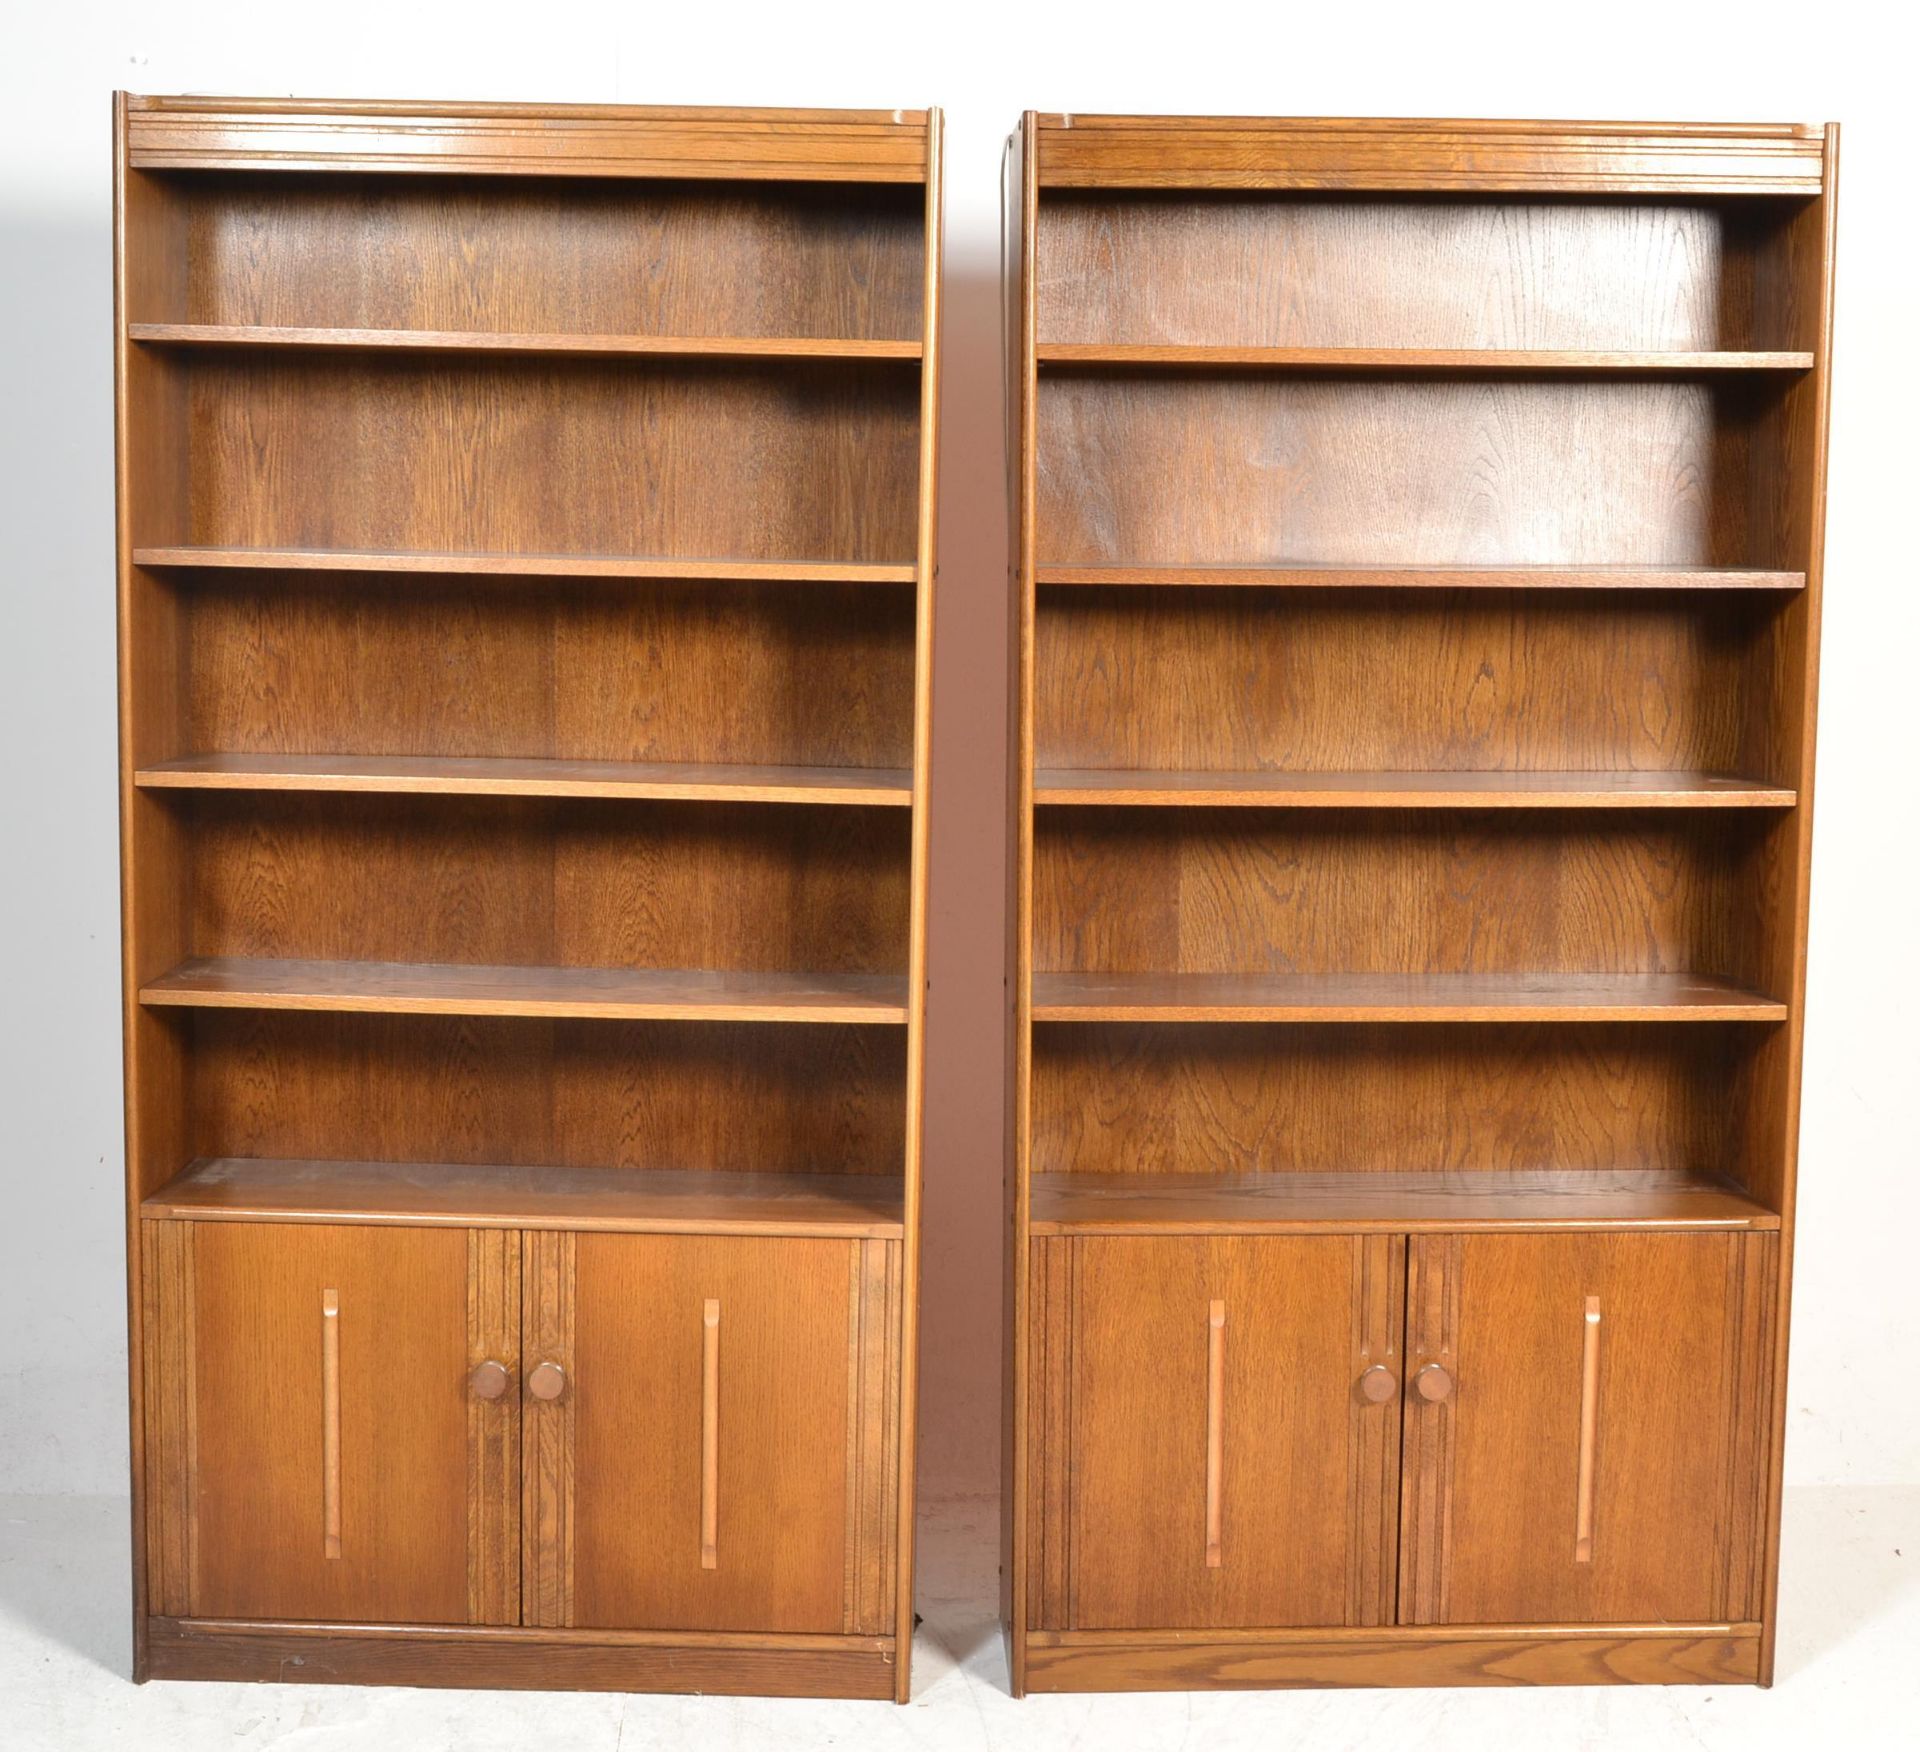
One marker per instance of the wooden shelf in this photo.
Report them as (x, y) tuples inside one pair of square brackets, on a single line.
[(522, 565), (1334, 577), (1396, 997), (461, 1195), (591, 346), (1406, 790), (1255, 1203), (447, 775), (1389, 360), (612, 993)]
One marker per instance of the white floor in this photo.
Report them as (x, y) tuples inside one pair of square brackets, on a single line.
[(1849, 1673)]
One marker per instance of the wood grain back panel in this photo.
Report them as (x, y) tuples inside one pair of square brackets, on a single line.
[(804, 461), (1336, 891), (1307, 271), (1225, 1099), (552, 256), (1391, 680), (504, 881), (288, 662), (667, 1095), (1192, 469)]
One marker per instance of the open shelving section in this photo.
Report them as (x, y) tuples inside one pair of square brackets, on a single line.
[(526, 562), (1416, 568)]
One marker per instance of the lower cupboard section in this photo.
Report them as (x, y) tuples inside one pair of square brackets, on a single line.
[(434, 1447), (1437, 1458)]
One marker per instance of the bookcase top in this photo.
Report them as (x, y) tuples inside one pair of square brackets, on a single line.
[(1576, 157), (606, 140)]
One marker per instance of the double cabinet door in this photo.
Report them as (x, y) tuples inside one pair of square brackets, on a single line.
[(1239, 1432), (348, 1423)]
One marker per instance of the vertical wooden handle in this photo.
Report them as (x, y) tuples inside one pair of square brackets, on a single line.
[(1216, 1423), (710, 1435), (330, 1421), (1589, 1422)]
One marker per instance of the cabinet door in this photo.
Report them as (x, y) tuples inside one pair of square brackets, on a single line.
[(1600, 1454), (1213, 1431), (719, 1449), (315, 1448)]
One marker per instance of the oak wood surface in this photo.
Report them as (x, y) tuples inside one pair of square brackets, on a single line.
[(805, 672), (1416, 592), (513, 565), (1322, 575), (1191, 468), (532, 1092), (187, 334), (1349, 154), (1388, 1202), (549, 1485), (1143, 1376), (471, 1195), (1147, 787), (1492, 1475), (164, 1479), (285, 134), (1298, 895), (778, 1436), (1444, 680), (879, 1549), (1805, 285), (463, 1658), (681, 458), (493, 1426), (894, 1551), (447, 989), (1428, 273), (791, 891), (1475, 1655), (1395, 360), (457, 775), (148, 463), (256, 1500), (624, 261), (498, 556), (1395, 997), (1232, 1099)]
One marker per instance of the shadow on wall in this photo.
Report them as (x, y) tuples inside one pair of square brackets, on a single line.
[(959, 1452)]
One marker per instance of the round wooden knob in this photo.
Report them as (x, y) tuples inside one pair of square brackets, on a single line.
[(488, 1380), (1377, 1384), (547, 1381), (1432, 1382)]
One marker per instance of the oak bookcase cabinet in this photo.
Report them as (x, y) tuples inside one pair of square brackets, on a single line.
[(526, 596), (1416, 554)]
